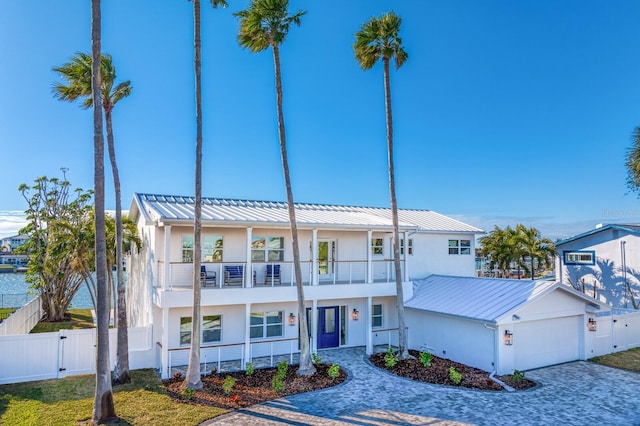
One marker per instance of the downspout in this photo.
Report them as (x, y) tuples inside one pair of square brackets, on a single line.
[(496, 342)]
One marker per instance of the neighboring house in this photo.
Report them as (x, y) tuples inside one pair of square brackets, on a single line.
[(501, 325), (603, 263), (249, 297), (9, 244)]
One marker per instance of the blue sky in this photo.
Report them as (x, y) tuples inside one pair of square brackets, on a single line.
[(506, 111)]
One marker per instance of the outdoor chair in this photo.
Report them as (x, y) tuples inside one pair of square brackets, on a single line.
[(272, 275), (234, 275), (207, 277)]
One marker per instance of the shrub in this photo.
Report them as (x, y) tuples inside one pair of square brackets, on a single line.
[(334, 371), (425, 358), (277, 384), (315, 358), (188, 393), (390, 359), (282, 369), (518, 376), (227, 385), (250, 369), (455, 377)]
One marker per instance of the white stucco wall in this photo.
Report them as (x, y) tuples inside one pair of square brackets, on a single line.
[(431, 256)]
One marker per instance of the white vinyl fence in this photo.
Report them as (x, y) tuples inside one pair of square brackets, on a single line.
[(626, 331), (27, 357), (23, 320)]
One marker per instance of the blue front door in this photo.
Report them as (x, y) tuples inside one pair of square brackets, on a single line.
[(328, 329)]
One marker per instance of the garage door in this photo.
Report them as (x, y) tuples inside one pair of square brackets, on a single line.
[(546, 342)]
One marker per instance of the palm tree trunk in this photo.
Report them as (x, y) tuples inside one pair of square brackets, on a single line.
[(403, 351), (306, 366), (193, 380), (103, 408), (121, 372)]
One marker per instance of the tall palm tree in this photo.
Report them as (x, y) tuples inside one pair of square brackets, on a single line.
[(532, 246), (264, 24), (501, 246), (77, 74), (632, 162), (103, 408), (192, 378), (379, 39)]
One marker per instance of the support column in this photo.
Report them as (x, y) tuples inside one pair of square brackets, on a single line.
[(164, 342), (369, 327), (369, 260), (248, 281), (247, 334), (314, 257), (314, 326), (167, 257)]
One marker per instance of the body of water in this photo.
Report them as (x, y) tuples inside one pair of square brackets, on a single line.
[(13, 289)]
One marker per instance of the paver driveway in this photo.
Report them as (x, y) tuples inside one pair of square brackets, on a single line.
[(578, 393)]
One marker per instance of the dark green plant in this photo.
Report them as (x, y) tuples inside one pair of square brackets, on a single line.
[(250, 369), (228, 384), (334, 371), (315, 358), (455, 377), (425, 358), (390, 359), (282, 366), (277, 384), (188, 393), (518, 376)]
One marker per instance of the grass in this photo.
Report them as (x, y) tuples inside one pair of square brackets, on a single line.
[(5, 312), (69, 401), (625, 360), (80, 319)]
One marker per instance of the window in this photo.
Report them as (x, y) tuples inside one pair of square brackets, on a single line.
[(266, 324), (459, 246), (579, 257), (211, 329), (187, 248), (410, 249), (267, 249), (377, 246), (212, 249), (376, 316)]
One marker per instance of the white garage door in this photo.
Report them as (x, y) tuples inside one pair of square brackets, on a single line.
[(546, 342)]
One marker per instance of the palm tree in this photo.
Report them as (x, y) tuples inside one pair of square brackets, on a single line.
[(633, 162), (192, 378), (501, 246), (379, 39), (264, 24), (77, 74), (103, 408), (531, 245)]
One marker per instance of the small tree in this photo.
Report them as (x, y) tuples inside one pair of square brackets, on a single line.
[(57, 242)]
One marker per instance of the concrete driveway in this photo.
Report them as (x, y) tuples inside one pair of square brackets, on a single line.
[(578, 393)]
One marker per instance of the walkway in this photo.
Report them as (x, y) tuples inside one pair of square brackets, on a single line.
[(579, 393)]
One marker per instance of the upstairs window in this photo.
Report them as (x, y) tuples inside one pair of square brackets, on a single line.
[(377, 246), (187, 248), (459, 246), (212, 249), (579, 257), (409, 249), (269, 249)]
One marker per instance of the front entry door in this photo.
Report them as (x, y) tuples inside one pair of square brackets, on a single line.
[(328, 329)]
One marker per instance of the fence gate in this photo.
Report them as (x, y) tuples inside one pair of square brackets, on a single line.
[(76, 352)]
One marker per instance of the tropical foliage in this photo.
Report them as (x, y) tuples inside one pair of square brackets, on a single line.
[(379, 39), (264, 24), (632, 162), (521, 247)]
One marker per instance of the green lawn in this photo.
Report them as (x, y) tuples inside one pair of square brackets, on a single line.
[(625, 360), (70, 401), (5, 312), (80, 318)]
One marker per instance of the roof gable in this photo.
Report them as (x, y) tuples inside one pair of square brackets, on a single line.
[(482, 299), (630, 228)]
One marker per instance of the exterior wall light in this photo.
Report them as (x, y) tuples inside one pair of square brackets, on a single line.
[(592, 325), (508, 338), (355, 314), (292, 319)]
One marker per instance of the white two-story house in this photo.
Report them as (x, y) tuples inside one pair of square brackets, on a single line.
[(248, 293)]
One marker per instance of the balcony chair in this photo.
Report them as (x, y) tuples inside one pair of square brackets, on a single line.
[(234, 275), (272, 275), (206, 277)]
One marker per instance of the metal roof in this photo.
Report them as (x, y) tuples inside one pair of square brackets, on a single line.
[(630, 228), (482, 299), (171, 208)]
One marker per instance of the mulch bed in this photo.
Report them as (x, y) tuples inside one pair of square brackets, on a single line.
[(253, 389), (438, 373)]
